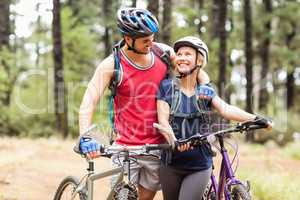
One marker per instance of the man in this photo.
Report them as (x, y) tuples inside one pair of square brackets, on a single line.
[(141, 72)]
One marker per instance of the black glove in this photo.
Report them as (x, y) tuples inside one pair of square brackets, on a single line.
[(263, 122)]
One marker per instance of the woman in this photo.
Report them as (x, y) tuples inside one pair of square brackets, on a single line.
[(183, 108)]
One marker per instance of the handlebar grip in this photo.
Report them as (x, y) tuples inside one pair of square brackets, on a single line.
[(195, 140), (150, 147)]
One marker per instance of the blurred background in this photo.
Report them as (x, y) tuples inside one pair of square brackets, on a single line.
[(50, 49)]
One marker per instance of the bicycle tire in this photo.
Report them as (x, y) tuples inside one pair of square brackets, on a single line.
[(62, 191), (240, 192), (125, 191)]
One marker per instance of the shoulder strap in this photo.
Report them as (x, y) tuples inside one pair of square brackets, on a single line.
[(164, 56), (113, 86), (115, 79), (176, 97), (203, 108)]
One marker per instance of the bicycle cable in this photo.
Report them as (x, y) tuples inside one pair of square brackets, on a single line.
[(235, 148)]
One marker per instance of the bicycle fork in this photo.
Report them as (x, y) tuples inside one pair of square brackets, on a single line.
[(92, 177), (227, 177)]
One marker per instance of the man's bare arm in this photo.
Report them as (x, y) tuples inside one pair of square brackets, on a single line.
[(94, 92)]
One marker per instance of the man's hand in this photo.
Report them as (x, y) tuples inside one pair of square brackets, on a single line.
[(90, 147)]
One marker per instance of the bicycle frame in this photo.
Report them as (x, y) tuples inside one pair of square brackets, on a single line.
[(226, 175), (123, 171), (84, 188)]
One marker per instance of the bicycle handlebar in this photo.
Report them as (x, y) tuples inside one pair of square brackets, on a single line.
[(143, 149), (197, 140)]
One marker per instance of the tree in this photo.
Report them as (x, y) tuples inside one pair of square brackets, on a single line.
[(133, 3), (265, 55), (249, 60), (4, 23), (290, 80), (167, 21), (215, 17), (106, 10), (222, 50), (153, 7), (61, 109), (4, 48), (200, 24)]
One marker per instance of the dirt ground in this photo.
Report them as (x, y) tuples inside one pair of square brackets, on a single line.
[(32, 169)]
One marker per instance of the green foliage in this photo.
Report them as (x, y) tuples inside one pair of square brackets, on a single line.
[(83, 25), (292, 150), (80, 54), (79, 47), (270, 185), (286, 125), (270, 172)]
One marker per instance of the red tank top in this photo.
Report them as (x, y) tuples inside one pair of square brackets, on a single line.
[(135, 102)]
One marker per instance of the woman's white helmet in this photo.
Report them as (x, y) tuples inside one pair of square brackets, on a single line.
[(195, 43)]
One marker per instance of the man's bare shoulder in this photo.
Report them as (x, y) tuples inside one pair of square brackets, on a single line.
[(107, 63)]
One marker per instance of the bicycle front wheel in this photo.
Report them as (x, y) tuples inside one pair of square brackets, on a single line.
[(67, 190), (239, 192), (125, 191)]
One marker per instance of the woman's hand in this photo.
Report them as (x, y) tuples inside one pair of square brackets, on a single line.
[(264, 122), (167, 133), (184, 147)]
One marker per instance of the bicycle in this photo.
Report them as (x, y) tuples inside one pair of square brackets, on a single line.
[(228, 187), (123, 189)]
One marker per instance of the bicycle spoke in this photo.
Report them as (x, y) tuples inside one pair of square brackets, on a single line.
[(69, 193)]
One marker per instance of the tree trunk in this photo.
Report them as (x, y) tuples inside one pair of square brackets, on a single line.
[(200, 8), (167, 22), (61, 110), (4, 43), (134, 3), (265, 54), (215, 17), (290, 85), (106, 38), (290, 80), (222, 50), (153, 7), (249, 58), (4, 23)]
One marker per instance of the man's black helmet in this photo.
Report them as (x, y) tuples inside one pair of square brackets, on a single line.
[(136, 22)]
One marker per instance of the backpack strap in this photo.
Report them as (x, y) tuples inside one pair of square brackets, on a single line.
[(158, 51), (116, 74), (113, 86), (176, 97)]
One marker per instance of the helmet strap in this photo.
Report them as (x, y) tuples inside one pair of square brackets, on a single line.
[(131, 48), (182, 75), (196, 66)]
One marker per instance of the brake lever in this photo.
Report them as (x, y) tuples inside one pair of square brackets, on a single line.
[(195, 140)]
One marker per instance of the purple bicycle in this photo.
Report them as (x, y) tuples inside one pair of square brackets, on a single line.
[(228, 187)]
